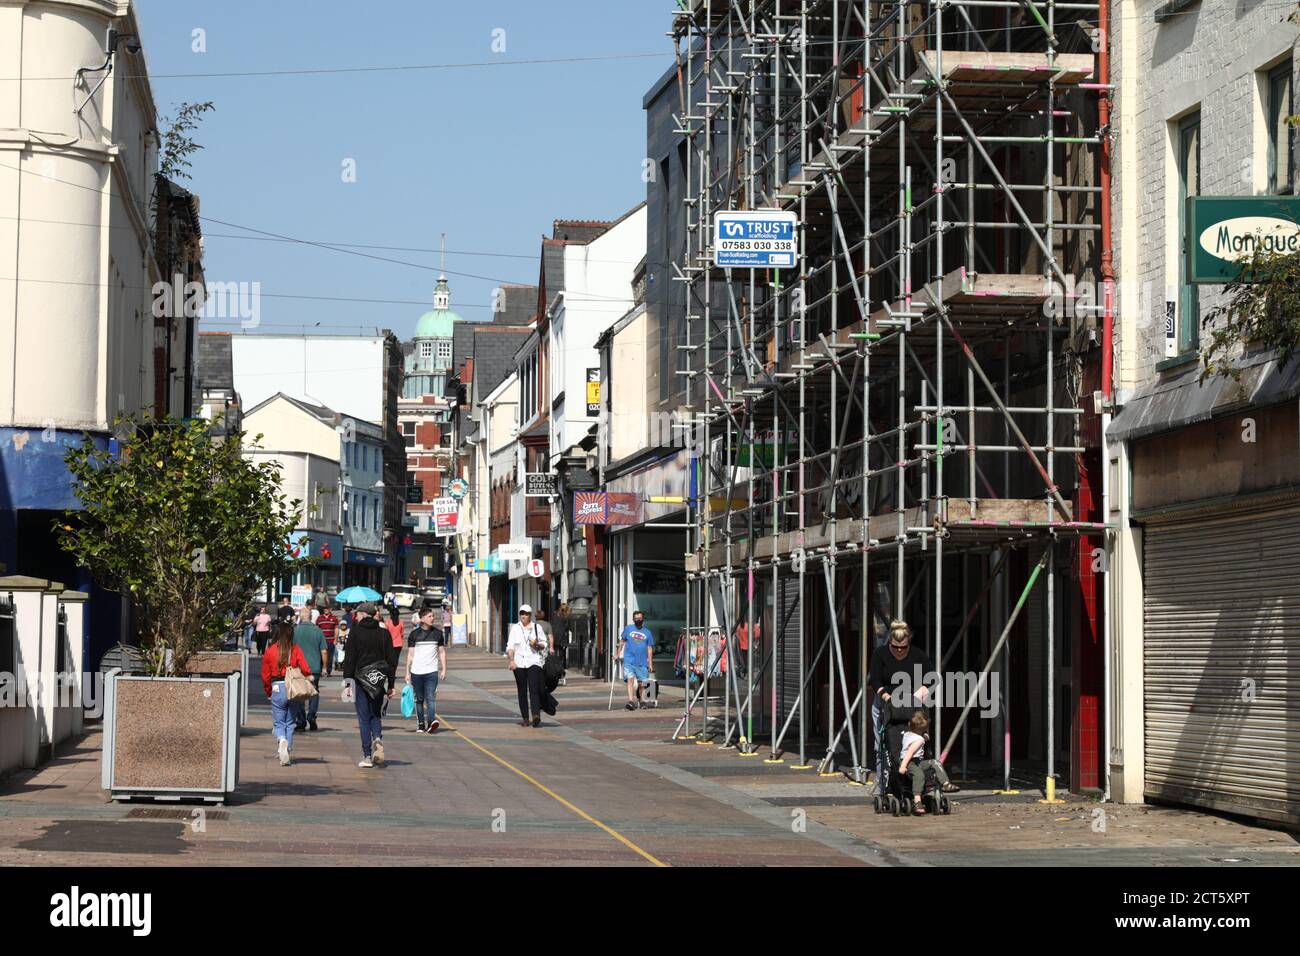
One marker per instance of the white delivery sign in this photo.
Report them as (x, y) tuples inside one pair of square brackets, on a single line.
[(758, 239)]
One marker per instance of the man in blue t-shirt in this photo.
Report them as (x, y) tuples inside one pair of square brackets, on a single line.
[(636, 649)]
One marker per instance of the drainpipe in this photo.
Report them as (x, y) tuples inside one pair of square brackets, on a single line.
[(1107, 372)]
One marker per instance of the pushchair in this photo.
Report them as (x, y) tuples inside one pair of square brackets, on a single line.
[(894, 794)]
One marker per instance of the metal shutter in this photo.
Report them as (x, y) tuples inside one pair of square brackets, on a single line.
[(789, 653), (1222, 616)]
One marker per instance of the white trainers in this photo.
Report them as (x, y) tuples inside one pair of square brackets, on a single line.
[(284, 752), (366, 763), (378, 747)]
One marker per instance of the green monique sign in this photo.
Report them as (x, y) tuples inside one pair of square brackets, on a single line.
[(1224, 231)]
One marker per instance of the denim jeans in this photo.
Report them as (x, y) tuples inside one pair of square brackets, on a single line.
[(313, 705), (368, 719), (426, 689), (282, 719)]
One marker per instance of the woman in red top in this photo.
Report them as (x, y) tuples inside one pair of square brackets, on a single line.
[(281, 655), (394, 626)]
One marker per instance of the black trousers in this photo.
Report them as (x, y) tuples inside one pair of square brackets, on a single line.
[(528, 681)]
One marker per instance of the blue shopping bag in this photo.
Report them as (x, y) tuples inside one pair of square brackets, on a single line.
[(408, 701)]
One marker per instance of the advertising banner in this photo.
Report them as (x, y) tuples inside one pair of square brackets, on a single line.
[(590, 507), (623, 508), (446, 512)]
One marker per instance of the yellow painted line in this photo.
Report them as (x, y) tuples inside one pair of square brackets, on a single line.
[(555, 796)]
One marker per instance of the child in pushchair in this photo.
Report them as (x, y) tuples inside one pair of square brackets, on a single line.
[(912, 782)]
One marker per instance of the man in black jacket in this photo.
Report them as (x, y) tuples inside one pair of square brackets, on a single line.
[(370, 654)]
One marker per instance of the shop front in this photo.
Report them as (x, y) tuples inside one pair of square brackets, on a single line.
[(501, 600), (646, 569), (364, 568), (647, 574), (326, 571)]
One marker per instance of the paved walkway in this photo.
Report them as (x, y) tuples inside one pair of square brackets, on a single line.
[(593, 787)]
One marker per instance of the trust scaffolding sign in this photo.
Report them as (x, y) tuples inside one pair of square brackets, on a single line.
[(58, 689)]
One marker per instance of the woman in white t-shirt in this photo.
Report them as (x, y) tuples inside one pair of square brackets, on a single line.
[(526, 649)]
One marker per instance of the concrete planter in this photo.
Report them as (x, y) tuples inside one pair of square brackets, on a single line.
[(171, 738), (219, 664)]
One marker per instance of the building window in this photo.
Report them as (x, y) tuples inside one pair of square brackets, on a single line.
[(444, 352), (1188, 146), (347, 506), (528, 388), (378, 507), (426, 350), (1280, 107)]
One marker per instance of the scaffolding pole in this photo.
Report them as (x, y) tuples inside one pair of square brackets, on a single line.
[(939, 160)]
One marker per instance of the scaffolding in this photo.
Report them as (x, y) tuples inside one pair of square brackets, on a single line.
[(893, 426)]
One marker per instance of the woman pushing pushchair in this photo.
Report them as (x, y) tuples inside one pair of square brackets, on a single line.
[(903, 677)]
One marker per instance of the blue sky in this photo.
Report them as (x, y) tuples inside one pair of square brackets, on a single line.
[(490, 155)]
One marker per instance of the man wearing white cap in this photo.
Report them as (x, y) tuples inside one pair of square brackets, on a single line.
[(526, 649)]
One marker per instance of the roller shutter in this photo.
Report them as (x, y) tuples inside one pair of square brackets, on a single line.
[(1222, 661), (789, 656)]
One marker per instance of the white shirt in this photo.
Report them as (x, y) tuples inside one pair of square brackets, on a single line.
[(525, 656), (910, 738)]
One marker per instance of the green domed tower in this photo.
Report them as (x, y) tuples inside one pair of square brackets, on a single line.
[(429, 356)]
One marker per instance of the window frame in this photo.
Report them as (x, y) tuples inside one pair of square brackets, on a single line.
[(1189, 299), (1280, 74)]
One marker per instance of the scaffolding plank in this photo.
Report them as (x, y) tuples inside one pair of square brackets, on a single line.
[(994, 518), (963, 67), (973, 79)]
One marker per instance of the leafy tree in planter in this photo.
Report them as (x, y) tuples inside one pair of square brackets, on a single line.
[(1261, 308), (182, 524)]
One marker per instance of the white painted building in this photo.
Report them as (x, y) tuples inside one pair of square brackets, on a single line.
[(493, 460), (79, 344), (76, 178), (597, 290), (1202, 476), (357, 377), (337, 371), (345, 516)]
